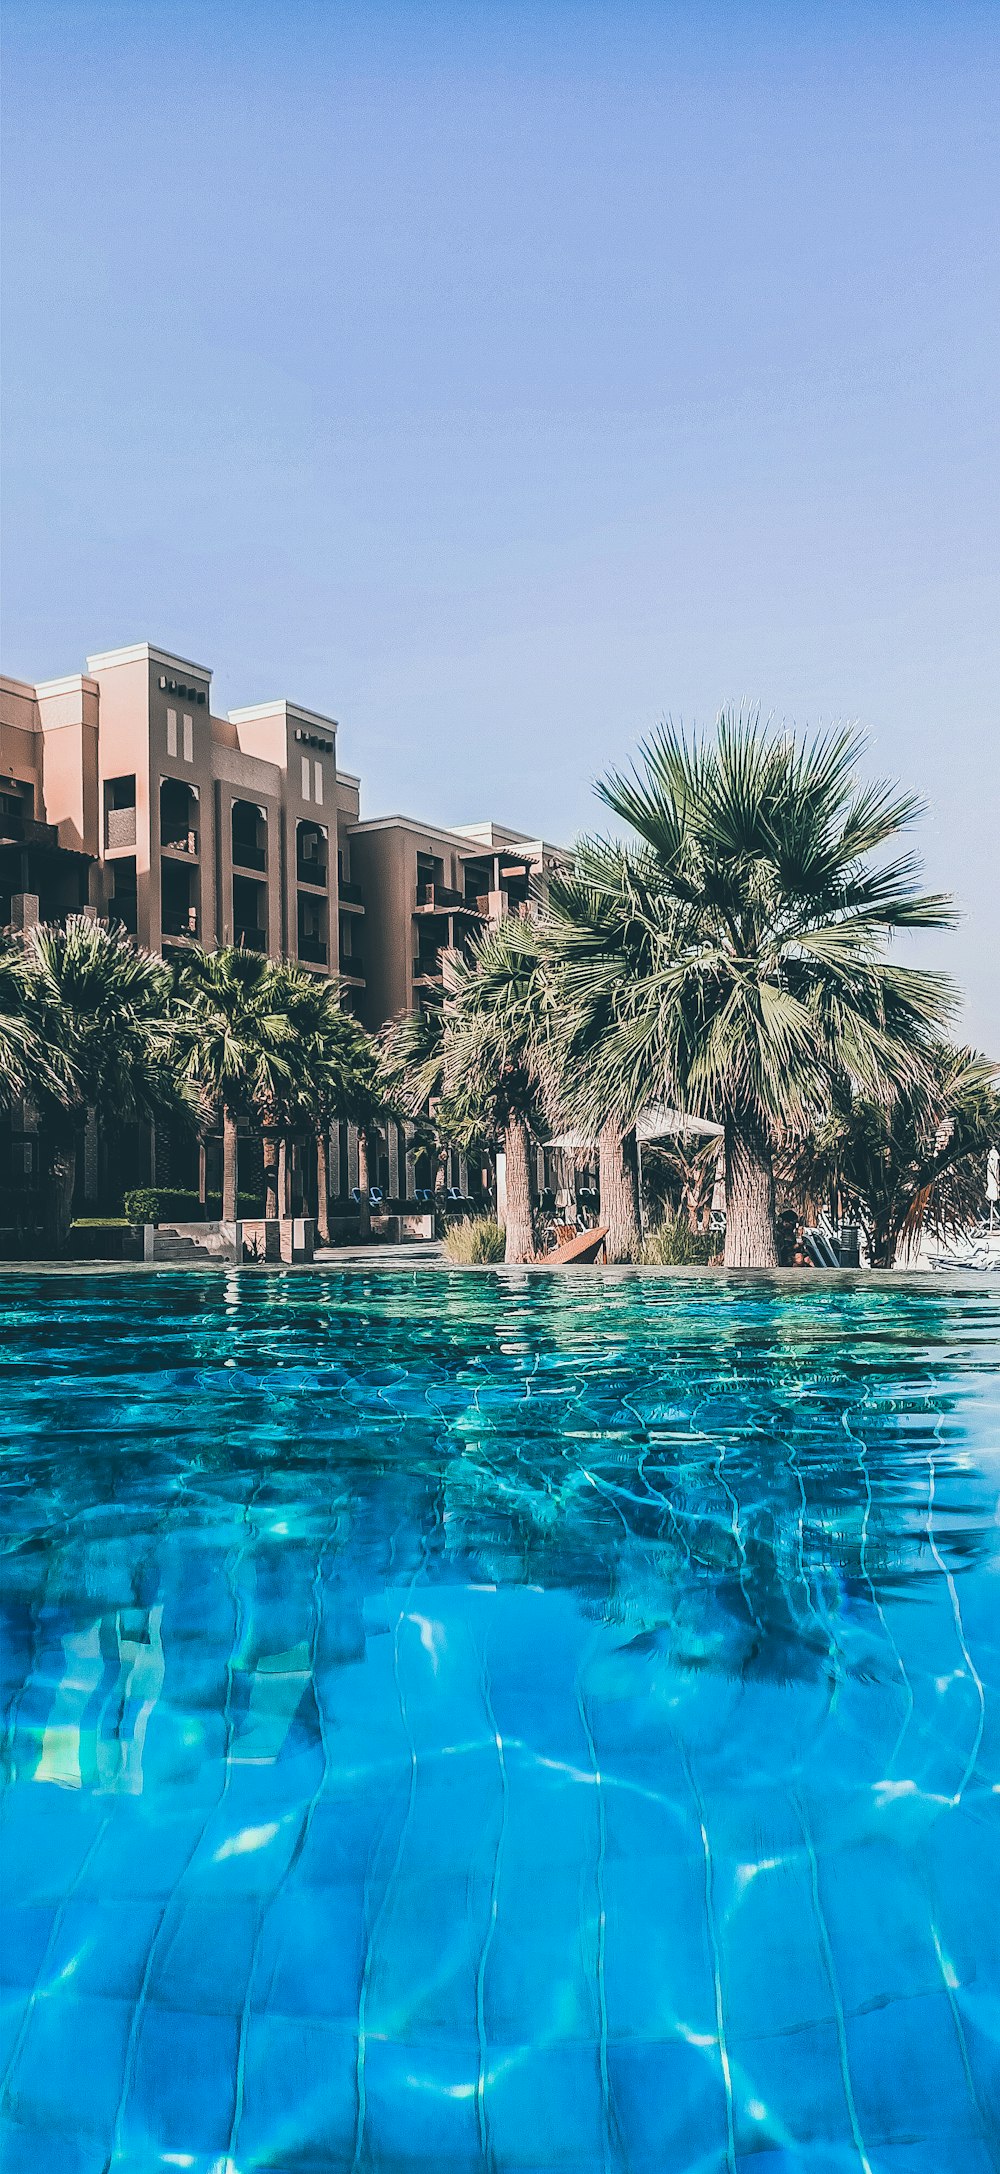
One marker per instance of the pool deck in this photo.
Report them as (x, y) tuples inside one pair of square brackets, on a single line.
[(429, 1256)]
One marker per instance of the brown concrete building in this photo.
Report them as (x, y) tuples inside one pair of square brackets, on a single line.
[(121, 790), (426, 891), (185, 826)]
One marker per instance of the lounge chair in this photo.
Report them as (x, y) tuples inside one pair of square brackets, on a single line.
[(586, 1246)]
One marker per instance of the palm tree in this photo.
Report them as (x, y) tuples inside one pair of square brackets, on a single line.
[(918, 1161), (235, 1039), (413, 1072), (746, 957), (495, 1023), (586, 929), (97, 1006), (27, 1069), (335, 1073)]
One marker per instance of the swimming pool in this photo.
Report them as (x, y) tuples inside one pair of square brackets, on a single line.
[(500, 1721)]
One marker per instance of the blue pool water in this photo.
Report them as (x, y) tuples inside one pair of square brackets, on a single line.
[(499, 1722)]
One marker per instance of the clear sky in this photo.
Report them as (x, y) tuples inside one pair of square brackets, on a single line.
[(499, 379)]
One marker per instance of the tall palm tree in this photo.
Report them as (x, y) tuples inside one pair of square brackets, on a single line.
[(746, 958), (917, 1161), (495, 1019), (97, 1005), (235, 1040)]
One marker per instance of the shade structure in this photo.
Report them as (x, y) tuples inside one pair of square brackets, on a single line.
[(656, 1123)]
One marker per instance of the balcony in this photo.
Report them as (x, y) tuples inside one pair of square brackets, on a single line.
[(248, 832), (311, 871), (312, 950), (427, 969), (250, 856), (180, 921), (249, 936), (119, 828), (352, 966), (438, 898), (350, 894), (182, 841)]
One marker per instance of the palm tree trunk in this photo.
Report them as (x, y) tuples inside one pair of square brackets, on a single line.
[(229, 1164), (322, 1188), (520, 1221), (62, 1185), (364, 1204), (270, 1176), (882, 1247), (751, 1239), (618, 1177)]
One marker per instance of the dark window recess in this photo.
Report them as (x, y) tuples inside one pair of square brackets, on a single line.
[(179, 910), (17, 807), (312, 930), (249, 835), (249, 914), (123, 905), (178, 815), (119, 812), (311, 853)]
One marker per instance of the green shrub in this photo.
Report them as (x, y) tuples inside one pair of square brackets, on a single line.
[(142, 1205), (673, 1244), (179, 1204), (476, 1240), (162, 1204)]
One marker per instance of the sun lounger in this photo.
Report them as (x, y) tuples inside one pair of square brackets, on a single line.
[(584, 1247)]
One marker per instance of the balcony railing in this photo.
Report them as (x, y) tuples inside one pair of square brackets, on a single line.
[(312, 949), (119, 827), (438, 898), (180, 921), (353, 965), (183, 841), (247, 854), (313, 872), (427, 969), (250, 936), (351, 892)]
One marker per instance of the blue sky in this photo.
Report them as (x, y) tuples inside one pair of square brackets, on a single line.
[(500, 379)]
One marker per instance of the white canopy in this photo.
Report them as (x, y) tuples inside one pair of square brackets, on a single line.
[(656, 1123)]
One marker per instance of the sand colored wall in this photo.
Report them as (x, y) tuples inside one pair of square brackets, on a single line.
[(68, 716)]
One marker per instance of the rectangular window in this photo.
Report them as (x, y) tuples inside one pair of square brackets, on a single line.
[(318, 783), (189, 739), (305, 778), (171, 732)]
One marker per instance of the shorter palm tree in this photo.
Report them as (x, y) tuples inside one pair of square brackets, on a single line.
[(97, 1005), (495, 1027), (235, 1041), (917, 1162), (27, 1069), (335, 1076), (412, 1056), (592, 946)]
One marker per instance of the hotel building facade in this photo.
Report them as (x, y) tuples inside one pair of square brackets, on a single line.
[(123, 793)]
